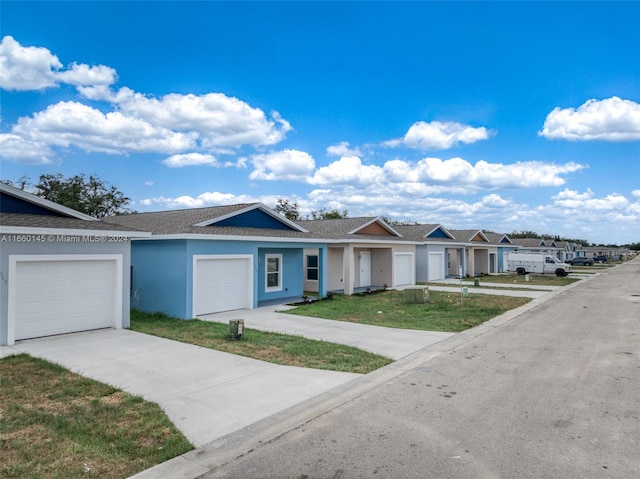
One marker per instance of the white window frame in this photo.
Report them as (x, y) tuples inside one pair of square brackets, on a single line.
[(267, 257), (316, 268)]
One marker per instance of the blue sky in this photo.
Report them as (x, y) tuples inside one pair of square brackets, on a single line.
[(502, 116)]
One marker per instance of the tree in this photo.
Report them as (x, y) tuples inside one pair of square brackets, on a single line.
[(288, 209), (323, 214), (90, 196)]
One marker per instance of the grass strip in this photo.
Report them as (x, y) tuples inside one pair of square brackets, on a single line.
[(534, 279), (443, 312), (58, 424), (272, 347)]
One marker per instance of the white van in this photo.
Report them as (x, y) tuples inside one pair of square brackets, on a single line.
[(523, 263)]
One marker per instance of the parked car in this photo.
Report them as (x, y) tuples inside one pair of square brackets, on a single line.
[(580, 261), (600, 259)]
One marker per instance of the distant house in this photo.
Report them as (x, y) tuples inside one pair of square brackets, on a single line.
[(504, 246), (62, 271), (438, 254), (363, 253), (538, 245), (482, 255)]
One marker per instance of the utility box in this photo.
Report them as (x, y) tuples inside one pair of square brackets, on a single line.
[(236, 329), (416, 294)]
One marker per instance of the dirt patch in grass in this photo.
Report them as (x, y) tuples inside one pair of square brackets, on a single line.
[(57, 424)]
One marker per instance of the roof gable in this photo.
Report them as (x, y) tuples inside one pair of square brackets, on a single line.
[(15, 200), (12, 204), (438, 232), (254, 216), (376, 226)]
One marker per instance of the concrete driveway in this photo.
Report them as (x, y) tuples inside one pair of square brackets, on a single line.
[(206, 393), (390, 342)]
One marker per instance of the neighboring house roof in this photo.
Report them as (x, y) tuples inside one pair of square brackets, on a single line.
[(497, 238), (15, 200), (470, 236), (22, 212), (370, 229), (255, 220), (426, 233), (529, 242)]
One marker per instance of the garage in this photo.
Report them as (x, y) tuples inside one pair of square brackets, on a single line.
[(60, 294), (222, 283), (436, 266), (403, 269)]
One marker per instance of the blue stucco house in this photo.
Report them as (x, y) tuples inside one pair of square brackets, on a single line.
[(223, 258)]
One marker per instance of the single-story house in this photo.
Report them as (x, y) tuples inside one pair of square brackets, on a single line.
[(222, 258), (482, 256), (62, 271), (504, 246), (538, 245), (363, 253), (438, 254)]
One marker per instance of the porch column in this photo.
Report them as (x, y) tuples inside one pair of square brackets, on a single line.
[(322, 272), (348, 268), (463, 261)]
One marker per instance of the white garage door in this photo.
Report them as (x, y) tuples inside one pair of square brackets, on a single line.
[(403, 269), (436, 266), (222, 283), (50, 297)]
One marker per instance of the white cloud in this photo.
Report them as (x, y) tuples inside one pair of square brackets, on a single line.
[(434, 175), (221, 122), (26, 68), (213, 198), (72, 123), (292, 165), (190, 159), (17, 149), (636, 194), (438, 135), (173, 123), (587, 203), (343, 149), (347, 170), (36, 68), (611, 119), (85, 75)]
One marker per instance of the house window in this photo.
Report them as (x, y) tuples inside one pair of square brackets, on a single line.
[(312, 268), (273, 272)]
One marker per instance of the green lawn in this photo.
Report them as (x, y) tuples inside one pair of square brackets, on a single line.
[(57, 424), (272, 347), (443, 312)]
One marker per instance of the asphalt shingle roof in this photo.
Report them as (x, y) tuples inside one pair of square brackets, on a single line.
[(57, 222)]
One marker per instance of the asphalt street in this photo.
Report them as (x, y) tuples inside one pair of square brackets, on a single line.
[(551, 393)]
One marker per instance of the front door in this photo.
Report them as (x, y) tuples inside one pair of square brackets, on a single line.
[(365, 268)]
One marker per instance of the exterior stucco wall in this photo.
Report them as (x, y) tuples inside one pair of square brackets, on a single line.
[(57, 245), (422, 261), (160, 278), (163, 271)]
